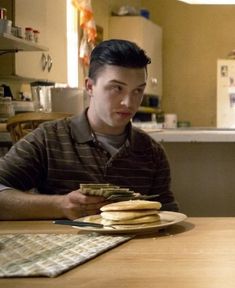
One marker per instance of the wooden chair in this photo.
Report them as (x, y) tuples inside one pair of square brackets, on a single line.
[(23, 123)]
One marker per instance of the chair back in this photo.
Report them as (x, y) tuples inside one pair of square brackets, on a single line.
[(23, 123)]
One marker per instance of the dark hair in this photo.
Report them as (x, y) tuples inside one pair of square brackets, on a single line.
[(119, 53)]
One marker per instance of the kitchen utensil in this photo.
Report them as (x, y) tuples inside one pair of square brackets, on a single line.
[(41, 95), (78, 223)]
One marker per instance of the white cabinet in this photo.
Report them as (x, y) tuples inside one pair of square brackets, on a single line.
[(148, 36), (49, 17)]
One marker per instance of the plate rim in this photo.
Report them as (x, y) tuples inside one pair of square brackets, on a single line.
[(179, 217)]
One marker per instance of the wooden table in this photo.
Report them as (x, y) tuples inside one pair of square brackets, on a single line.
[(197, 253)]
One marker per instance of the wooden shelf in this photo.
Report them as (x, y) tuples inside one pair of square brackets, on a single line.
[(144, 109), (9, 43)]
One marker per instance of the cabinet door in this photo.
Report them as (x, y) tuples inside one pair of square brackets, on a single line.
[(56, 27), (149, 37), (49, 17), (152, 39)]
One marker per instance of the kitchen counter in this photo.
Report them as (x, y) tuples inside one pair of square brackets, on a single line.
[(202, 163), (192, 135)]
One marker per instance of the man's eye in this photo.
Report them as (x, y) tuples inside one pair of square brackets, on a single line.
[(116, 88), (139, 91)]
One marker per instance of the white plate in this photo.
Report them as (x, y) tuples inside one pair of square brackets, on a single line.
[(167, 218)]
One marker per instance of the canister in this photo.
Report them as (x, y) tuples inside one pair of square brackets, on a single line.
[(6, 108), (29, 33), (36, 35), (170, 121)]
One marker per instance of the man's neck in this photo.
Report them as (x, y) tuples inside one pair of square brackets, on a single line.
[(102, 128)]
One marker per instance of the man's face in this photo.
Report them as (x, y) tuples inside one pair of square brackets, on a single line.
[(115, 97)]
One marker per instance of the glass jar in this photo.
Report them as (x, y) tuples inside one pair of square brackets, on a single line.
[(29, 33), (6, 108), (36, 35)]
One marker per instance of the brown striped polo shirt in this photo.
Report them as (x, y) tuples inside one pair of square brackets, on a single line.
[(59, 155)]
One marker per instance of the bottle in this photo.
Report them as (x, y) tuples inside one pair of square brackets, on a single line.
[(35, 35), (3, 13), (29, 33)]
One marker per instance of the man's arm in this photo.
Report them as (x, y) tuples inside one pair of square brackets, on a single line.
[(18, 205)]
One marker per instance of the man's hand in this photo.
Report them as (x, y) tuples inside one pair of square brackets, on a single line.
[(76, 205), (19, 205)]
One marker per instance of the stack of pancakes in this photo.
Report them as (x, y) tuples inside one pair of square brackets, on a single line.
[(132, 212)]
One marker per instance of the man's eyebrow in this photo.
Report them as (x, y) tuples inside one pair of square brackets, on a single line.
[(123, 83), (142, 85), (117, 82)]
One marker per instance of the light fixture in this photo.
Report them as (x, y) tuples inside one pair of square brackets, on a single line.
[(212, 2)]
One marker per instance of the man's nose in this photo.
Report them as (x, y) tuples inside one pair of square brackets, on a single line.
[(126, 100)]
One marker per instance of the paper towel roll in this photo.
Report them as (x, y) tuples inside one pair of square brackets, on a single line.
[(170, 121)]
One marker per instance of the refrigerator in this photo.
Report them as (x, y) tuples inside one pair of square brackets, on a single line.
[(225, 116)]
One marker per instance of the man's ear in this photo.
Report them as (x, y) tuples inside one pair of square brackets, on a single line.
[(89, 85)]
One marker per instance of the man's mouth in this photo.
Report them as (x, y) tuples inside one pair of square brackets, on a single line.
[(124, 113)]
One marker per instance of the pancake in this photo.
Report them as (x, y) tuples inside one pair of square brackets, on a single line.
[(140, 220), (132, 205), (127, 215)]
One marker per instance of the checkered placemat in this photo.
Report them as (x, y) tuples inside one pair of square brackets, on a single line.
[(23, 255)]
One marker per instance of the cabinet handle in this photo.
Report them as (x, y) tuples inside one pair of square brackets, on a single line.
[(50, 63), (43, 61)]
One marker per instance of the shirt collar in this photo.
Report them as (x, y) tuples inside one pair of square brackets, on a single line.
[(81, 132), (81, 129)]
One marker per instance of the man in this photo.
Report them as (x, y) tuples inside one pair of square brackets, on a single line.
[(98, 146)]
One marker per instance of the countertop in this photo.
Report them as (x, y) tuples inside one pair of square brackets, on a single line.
[(192, 135), (170, 135)]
